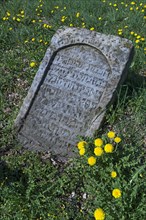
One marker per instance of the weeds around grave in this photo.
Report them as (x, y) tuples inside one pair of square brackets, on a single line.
[(34, 188)]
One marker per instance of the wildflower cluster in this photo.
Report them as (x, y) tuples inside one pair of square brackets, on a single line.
[(138, 39), (127, 31), (100, 147), (97, 153), (77, 19), (22, 18)]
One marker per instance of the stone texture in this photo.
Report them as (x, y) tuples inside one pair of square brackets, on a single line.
[(69, 95)]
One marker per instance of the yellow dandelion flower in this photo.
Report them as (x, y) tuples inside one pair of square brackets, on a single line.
[(117, 139), (98, 151), (138, 36), (113, 174), (18, 19), (111, 134), (82, 151), (77, 14), (4, 18), (99, 214), (116, 193), (120, 32), (33, 39), (98, 142), (32, 64), (114, 5), (44, 25), (100, 18), (142, 39), (137, 8), (137, 41), (33, 21), (71, 25), (14, 18), (132, 3), (131, 9), (22, 12), (142, 10), (132, 32), (10, 29), (108, 148), (92, 29), (91, 161), (8, 13), (81, 144)]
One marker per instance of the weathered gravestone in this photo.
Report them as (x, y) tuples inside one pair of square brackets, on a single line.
[(74, 84)]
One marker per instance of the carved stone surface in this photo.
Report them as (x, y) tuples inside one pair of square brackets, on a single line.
[(74, 84)]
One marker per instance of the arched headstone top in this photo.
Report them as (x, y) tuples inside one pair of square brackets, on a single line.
[(115, 49)]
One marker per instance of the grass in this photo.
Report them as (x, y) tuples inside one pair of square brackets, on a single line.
[(34, 187)]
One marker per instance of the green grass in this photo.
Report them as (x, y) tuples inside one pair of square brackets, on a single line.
[(33, 187)]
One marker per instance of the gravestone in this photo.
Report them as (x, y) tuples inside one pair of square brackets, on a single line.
[(69, 95)]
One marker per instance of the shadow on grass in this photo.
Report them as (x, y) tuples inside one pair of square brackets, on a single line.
[(133, 88), (9, 176), (135, 81), (133, 84)]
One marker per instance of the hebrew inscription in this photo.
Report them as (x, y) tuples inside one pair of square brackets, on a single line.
[(73, 91)]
